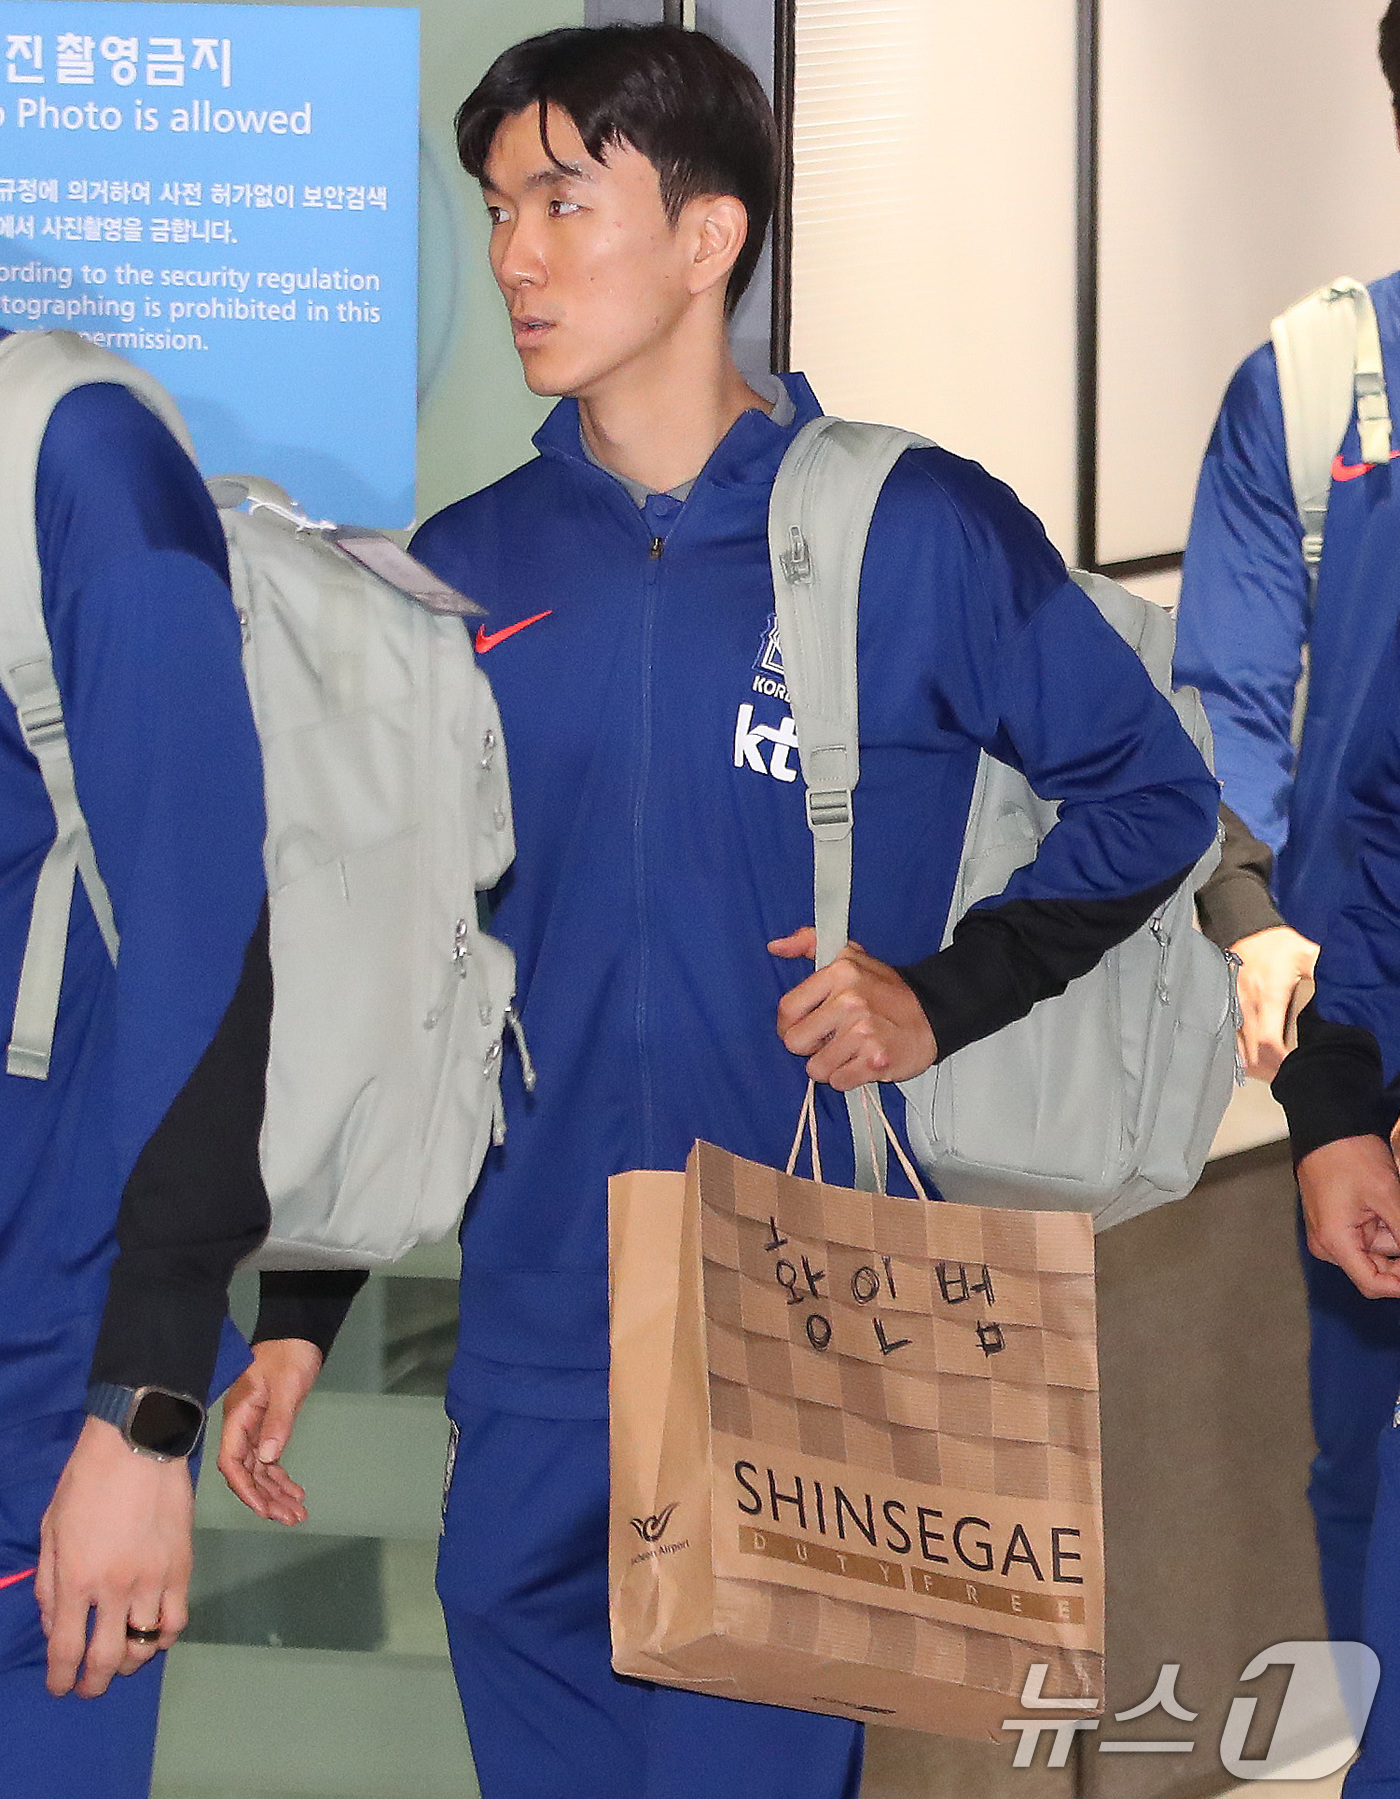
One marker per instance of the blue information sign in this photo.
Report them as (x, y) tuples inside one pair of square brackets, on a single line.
[(228, 195)]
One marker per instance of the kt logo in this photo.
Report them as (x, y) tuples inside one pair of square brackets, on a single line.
[(651, 1530)]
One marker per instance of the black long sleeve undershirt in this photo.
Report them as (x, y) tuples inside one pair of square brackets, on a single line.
[(310, 1304), (1004, 959), (1333, 1085), (194, 1205)]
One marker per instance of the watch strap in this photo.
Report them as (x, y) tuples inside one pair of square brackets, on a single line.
[(110, 1402), (119, 1405)]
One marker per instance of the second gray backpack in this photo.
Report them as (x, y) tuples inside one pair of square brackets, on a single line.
[(1103, 1100), (388, 811)]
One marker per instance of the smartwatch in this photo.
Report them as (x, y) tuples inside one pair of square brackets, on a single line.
[(155, 1422)]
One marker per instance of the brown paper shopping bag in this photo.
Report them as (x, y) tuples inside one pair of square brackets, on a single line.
[(855, 1447)]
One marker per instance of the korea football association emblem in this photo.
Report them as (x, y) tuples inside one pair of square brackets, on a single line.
[(770, 654)]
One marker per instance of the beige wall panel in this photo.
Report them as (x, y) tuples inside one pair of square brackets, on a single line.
[(907, 1764), (933, 225), (1203, 1339), (1247, 156)]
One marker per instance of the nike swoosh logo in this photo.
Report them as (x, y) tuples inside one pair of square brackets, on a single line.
[(13, 1580), (487, 640), (1348, 471)]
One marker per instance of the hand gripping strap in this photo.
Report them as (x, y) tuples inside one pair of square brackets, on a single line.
[(819, 516), (37, 368)]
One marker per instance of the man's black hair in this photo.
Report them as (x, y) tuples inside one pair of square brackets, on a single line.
[(695, 111), (1390, 53)]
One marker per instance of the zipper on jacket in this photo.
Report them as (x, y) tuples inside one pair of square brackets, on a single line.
[(640, 872)]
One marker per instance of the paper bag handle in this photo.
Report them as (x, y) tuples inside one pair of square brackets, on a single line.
[(870, 1102)]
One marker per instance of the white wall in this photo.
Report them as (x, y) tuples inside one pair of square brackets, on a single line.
[(933, 226), (1247, 155)]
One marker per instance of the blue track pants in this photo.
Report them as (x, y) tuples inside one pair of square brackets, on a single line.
[(1376, 1774), (1354, 1376), (523, 1579), (67, 1748)]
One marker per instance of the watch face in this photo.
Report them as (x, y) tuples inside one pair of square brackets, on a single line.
[(165, 1424)]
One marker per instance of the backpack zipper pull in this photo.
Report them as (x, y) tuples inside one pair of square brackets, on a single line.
[(517, 1030), (797, 563), (1157, 925), (461, 961), (1235, 964)]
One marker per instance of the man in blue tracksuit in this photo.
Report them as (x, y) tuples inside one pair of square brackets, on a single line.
[(661, 898), (129, 1183), (1245, 617), (1341, 1090)]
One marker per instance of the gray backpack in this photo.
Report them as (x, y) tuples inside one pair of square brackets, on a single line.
[(1103, 1100), (388, 810)]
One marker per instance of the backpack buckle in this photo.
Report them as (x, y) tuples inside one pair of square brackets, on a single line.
[(829, 810), (41, 721)]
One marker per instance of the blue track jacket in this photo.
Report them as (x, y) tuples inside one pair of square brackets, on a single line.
[(1349, 1037), (147, 655), (1358, 972), (662, 838), (1244, 620)]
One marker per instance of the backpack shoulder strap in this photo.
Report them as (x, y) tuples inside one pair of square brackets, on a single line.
[(37, 368), (819, 516), (1328, 351)]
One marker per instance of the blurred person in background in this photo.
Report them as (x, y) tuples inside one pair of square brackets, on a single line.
[(1341, 1091), (1247, 621)]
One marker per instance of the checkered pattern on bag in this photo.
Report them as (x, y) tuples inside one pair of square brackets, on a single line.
[(1020, 1421)]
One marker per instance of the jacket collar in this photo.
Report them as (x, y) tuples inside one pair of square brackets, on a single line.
[(749, 452)]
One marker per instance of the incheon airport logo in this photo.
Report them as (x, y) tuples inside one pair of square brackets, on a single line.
[(652, 1530)]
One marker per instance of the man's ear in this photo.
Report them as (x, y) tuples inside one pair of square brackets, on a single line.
[(721, 226)]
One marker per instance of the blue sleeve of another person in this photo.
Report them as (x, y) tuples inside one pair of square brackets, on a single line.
[(1244, 600), (1358, 972), (147, 654), (1023, 663)]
